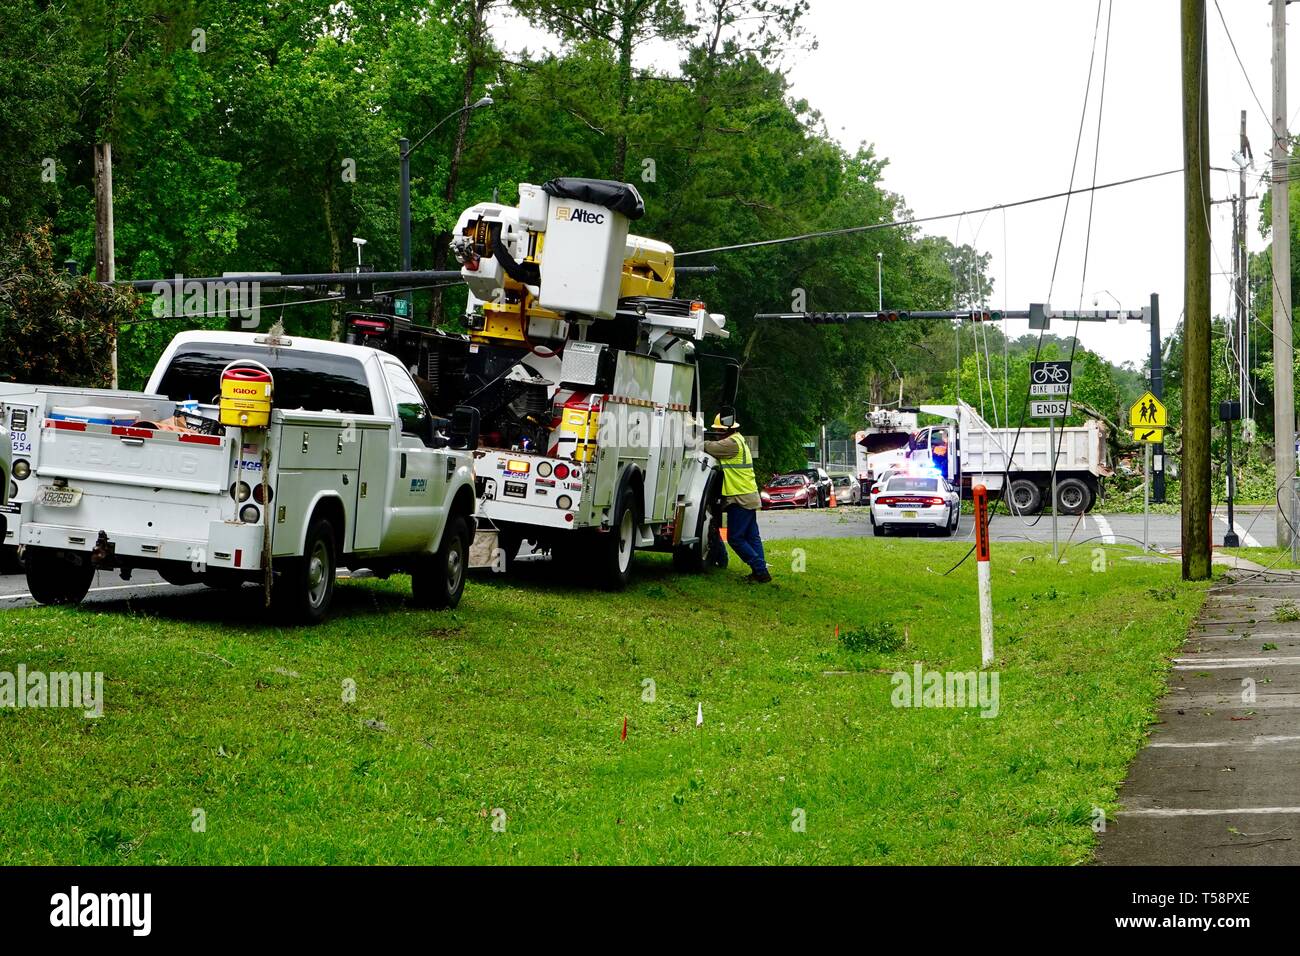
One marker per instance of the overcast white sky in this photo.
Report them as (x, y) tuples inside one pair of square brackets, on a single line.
[(976, 103)]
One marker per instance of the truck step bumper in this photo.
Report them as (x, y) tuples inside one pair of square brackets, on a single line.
[(229, 544)]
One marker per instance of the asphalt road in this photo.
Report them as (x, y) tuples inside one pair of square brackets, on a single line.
[(1255, 527)]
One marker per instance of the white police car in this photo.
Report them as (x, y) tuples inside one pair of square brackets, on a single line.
[(925, 502)]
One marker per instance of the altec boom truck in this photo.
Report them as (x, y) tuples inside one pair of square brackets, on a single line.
[(585, 371)]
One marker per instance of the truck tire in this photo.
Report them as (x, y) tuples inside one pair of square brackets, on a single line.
[(438, 582), (615, 548), (9, 562), (1025, 497), (693, 558), (1072, 496), (58, 579), (304, 587), (178, 574)]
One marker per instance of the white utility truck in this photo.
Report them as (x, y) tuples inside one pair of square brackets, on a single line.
[(585, 371), (5, 490), (968, 451), (882, 444), (249, 457)]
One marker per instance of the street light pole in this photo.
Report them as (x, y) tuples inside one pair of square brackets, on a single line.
[(880, 288), (404, 152)]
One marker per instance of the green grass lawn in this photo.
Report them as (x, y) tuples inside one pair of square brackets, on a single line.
[(517, 701), (1278, 559)]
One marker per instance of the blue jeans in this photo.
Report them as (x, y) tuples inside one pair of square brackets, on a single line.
[(743, 536)]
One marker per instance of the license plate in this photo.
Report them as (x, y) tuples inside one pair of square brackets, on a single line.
[(53, 497), (909, 514)]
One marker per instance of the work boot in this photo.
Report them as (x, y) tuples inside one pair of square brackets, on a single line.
[(756, 578)]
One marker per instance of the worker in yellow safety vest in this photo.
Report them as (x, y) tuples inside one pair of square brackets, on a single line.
[(740, 498)]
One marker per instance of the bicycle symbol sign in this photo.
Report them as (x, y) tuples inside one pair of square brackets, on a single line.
[(1049, 378)]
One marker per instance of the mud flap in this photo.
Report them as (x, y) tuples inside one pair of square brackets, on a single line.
[(483, 549)]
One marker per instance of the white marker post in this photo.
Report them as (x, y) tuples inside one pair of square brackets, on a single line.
[(981, 497)]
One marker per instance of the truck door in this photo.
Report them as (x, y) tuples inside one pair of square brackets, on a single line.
[(417, 478), (941, 451)]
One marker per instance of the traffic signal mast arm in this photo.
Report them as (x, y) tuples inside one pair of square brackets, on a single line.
[(1038, 316)]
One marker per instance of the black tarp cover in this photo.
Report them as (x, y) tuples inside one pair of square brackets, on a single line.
[(620, 197)]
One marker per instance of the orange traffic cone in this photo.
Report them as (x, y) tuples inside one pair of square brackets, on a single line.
[(832, 501)]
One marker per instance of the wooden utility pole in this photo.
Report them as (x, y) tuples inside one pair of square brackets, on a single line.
[(1196, 297), (105, 266), (1283, 384), (1241, 268)]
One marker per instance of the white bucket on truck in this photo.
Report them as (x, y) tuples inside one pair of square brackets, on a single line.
[(586, 239)]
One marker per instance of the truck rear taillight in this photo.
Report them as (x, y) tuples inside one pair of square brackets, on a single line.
[(561, 471), (259, 494), (240, 491), (249, 514), (22, 468)]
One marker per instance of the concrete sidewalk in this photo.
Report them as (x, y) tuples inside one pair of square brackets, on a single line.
[(1219, 781)]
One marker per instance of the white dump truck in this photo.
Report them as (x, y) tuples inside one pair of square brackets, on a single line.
[(248, 457), (969, 451), (586, 373)]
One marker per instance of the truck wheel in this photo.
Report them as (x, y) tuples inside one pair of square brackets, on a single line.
[(1072, 496), (438, 582), (693, 558), (304, 587), (57, 579), (1026, 498), (879, 530), (615, 547), (180, 575)]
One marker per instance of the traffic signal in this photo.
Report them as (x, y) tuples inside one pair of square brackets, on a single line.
[(892, 315), (825, 318)]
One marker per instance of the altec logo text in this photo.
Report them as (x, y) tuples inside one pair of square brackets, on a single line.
[(103, 909), (579, 215)]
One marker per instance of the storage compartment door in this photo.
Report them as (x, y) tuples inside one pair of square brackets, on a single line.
[(371, 486)]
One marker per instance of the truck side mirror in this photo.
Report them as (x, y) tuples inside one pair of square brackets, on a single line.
[(464, 427), (730, 383)]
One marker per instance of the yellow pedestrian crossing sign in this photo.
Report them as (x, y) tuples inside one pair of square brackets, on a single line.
[(1147, 411), (1153, 435)]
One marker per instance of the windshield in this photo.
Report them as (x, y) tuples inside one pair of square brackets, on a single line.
[(788, 481), (311, 381), (905, 484)]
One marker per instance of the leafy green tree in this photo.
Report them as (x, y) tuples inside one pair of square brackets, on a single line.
[(54, 328)]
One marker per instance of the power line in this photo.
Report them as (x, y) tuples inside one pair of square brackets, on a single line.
[(916, 220), (1268, 120), (1078, 141)]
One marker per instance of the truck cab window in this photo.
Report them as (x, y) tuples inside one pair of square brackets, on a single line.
[(414, 415), (312, 381)]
